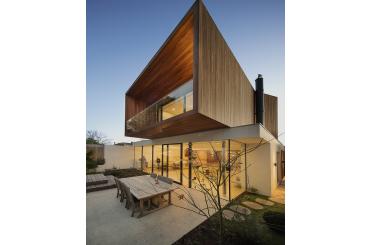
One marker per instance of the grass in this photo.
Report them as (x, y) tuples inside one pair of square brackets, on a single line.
[(253, 230)]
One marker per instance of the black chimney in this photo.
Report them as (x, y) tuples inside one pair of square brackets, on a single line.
[(259, 100)]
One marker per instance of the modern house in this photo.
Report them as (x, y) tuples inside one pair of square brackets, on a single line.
[(193, 95)]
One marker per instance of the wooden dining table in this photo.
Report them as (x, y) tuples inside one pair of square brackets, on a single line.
[(145, 188)]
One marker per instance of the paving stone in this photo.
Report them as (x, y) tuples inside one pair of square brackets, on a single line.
[(252, 205), (277, 200), (264, 202), (228, 214), (240, 209)]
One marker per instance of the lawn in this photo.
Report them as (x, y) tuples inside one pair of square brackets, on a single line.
[(251, 230)]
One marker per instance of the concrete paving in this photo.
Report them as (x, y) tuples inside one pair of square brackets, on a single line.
[(109, 223)]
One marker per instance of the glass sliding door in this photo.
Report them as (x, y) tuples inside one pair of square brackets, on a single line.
[(157, 159), (185, 164), (138, 157), (208, 166), (147, 158), (238, 168), (172, 161)]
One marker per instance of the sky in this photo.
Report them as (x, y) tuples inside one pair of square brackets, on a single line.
[(123, 35)]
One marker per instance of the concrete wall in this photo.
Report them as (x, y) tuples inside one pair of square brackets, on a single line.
[(258, 169), (117, 156)]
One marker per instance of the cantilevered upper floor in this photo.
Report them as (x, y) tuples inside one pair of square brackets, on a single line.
[(193, 83)]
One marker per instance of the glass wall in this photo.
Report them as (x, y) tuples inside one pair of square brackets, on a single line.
[(185, 165), (174, 161), (157, 159), (147, 158), (223, 161), (137, 157), (209, 159), (177, 102), (237, 168)]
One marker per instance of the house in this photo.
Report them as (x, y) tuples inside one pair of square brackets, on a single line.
[(195, 105)]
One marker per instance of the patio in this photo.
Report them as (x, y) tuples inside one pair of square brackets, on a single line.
[(108, 222)]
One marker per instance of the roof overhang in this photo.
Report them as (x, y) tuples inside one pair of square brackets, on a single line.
[(248, 134)]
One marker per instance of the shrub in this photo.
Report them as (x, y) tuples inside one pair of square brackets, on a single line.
[(275, 220), (91, 164)]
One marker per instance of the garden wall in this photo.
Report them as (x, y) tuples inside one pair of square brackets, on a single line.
[(117, 156)]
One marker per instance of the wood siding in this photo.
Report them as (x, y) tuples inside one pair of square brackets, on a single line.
[(224, 92), (170, 67), (271, 114)]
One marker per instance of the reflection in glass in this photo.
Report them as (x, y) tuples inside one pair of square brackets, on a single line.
[(147, 158), (237, 172), (137, 157), (208, 164), (157, 159)]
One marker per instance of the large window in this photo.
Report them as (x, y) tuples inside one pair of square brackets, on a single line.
[(237, 169), (147, 158), (209, 161), (177, 102), (138, 157), (157, 159)]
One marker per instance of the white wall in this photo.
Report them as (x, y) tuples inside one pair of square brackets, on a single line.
[(117, 156), (262, 169), (258, 169), (274, 149)]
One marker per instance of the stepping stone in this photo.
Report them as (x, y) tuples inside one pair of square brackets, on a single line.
[(228, 214), (240, 209), (252, 205), (277, 200), (264, 202)]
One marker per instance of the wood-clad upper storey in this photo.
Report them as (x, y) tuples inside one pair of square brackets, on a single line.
[(224, 92), (171, 66), (271, 114), (222, 95)]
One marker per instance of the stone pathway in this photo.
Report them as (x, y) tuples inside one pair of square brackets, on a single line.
[(264, 202), (228, 214), (252, 205), (240, 209)]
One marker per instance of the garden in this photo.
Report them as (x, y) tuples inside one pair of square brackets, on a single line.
[(249, 219)]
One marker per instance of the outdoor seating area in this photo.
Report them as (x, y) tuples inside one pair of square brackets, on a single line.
[(109, 222), (146, 189)]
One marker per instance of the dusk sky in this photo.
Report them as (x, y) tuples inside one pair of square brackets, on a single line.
[(122, 37)]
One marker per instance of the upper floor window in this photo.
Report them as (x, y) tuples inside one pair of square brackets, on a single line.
[(177, 102)]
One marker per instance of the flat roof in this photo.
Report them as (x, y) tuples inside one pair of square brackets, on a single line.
[(249, 134)]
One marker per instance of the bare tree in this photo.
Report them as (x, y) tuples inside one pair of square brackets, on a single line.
[(96, 137), (212, 183)]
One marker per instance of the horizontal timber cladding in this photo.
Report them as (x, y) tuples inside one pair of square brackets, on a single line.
[(224, 92), (271, 114)]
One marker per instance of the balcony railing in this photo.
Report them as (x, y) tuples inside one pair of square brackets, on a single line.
[(176, 103), (145, 118)]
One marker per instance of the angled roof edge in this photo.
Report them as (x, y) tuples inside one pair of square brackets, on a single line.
[(184, 18)]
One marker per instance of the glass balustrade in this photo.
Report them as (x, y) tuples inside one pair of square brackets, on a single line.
[(177, 102)]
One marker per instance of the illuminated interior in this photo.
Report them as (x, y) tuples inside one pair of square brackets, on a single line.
[(178, 102), (172, 160)]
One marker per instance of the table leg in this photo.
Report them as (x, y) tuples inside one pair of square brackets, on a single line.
[(169, 199), (141, 208)]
